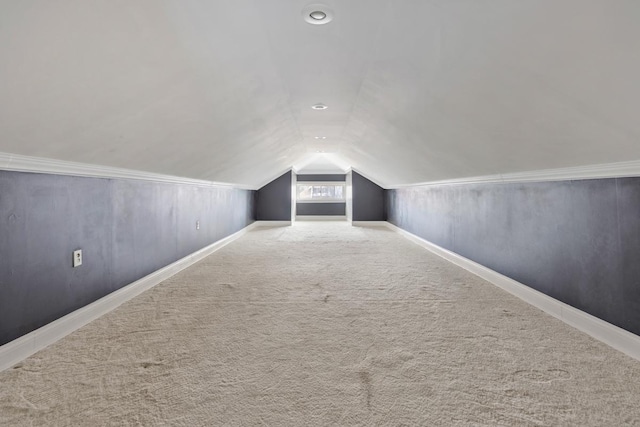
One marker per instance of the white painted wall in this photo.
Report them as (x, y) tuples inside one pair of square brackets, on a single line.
[(349, 185), (294, 195)]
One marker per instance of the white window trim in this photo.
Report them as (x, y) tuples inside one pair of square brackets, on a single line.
[(320, 183), (323, 201)]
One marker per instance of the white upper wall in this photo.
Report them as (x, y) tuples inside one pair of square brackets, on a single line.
[(417, 90)]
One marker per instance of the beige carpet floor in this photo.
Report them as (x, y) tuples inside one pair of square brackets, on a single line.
[(322, 324)]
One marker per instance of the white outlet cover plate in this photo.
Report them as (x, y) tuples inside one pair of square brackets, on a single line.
[(77, 258)]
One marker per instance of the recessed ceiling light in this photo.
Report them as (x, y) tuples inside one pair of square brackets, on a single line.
[(320, 137), (317, 14), (319, 107)]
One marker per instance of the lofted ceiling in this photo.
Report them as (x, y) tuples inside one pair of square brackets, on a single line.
[(417, 90)]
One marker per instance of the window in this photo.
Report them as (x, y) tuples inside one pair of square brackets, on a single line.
[(318, 192)]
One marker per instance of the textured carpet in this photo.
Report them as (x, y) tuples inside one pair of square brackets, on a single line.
[(324, 324)]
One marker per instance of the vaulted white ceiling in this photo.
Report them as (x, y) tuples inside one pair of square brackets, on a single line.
[(418, 90)]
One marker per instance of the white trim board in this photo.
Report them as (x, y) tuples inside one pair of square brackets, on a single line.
[(336, 201), (321, 218), (607, 170), (319, 182), (609, 334), (23, 347), (18, 163), (369, 223), (272, 224)]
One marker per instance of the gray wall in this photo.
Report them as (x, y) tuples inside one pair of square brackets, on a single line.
[(321, 209), (368, 199), (125, 228), (577, 241), (273, 201)]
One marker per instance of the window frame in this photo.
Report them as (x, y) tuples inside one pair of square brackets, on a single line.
[(342, 184)]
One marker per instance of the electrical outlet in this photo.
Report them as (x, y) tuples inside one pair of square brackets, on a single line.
[(197, 225), (77, 258)]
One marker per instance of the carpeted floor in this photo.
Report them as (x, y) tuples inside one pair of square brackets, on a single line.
[(324, 324)]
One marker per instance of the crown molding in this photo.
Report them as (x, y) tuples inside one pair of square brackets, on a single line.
[(19, 163), (607, 170)]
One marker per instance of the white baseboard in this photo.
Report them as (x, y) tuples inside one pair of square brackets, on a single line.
[(369, 223), (23, 347), (272, 223), (321, 218), (609, 334)]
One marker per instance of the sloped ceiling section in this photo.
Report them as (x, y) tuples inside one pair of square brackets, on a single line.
[(321, 163), (417, 90)]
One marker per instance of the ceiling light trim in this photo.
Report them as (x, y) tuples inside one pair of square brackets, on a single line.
[(318, 15), (323, 14)]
